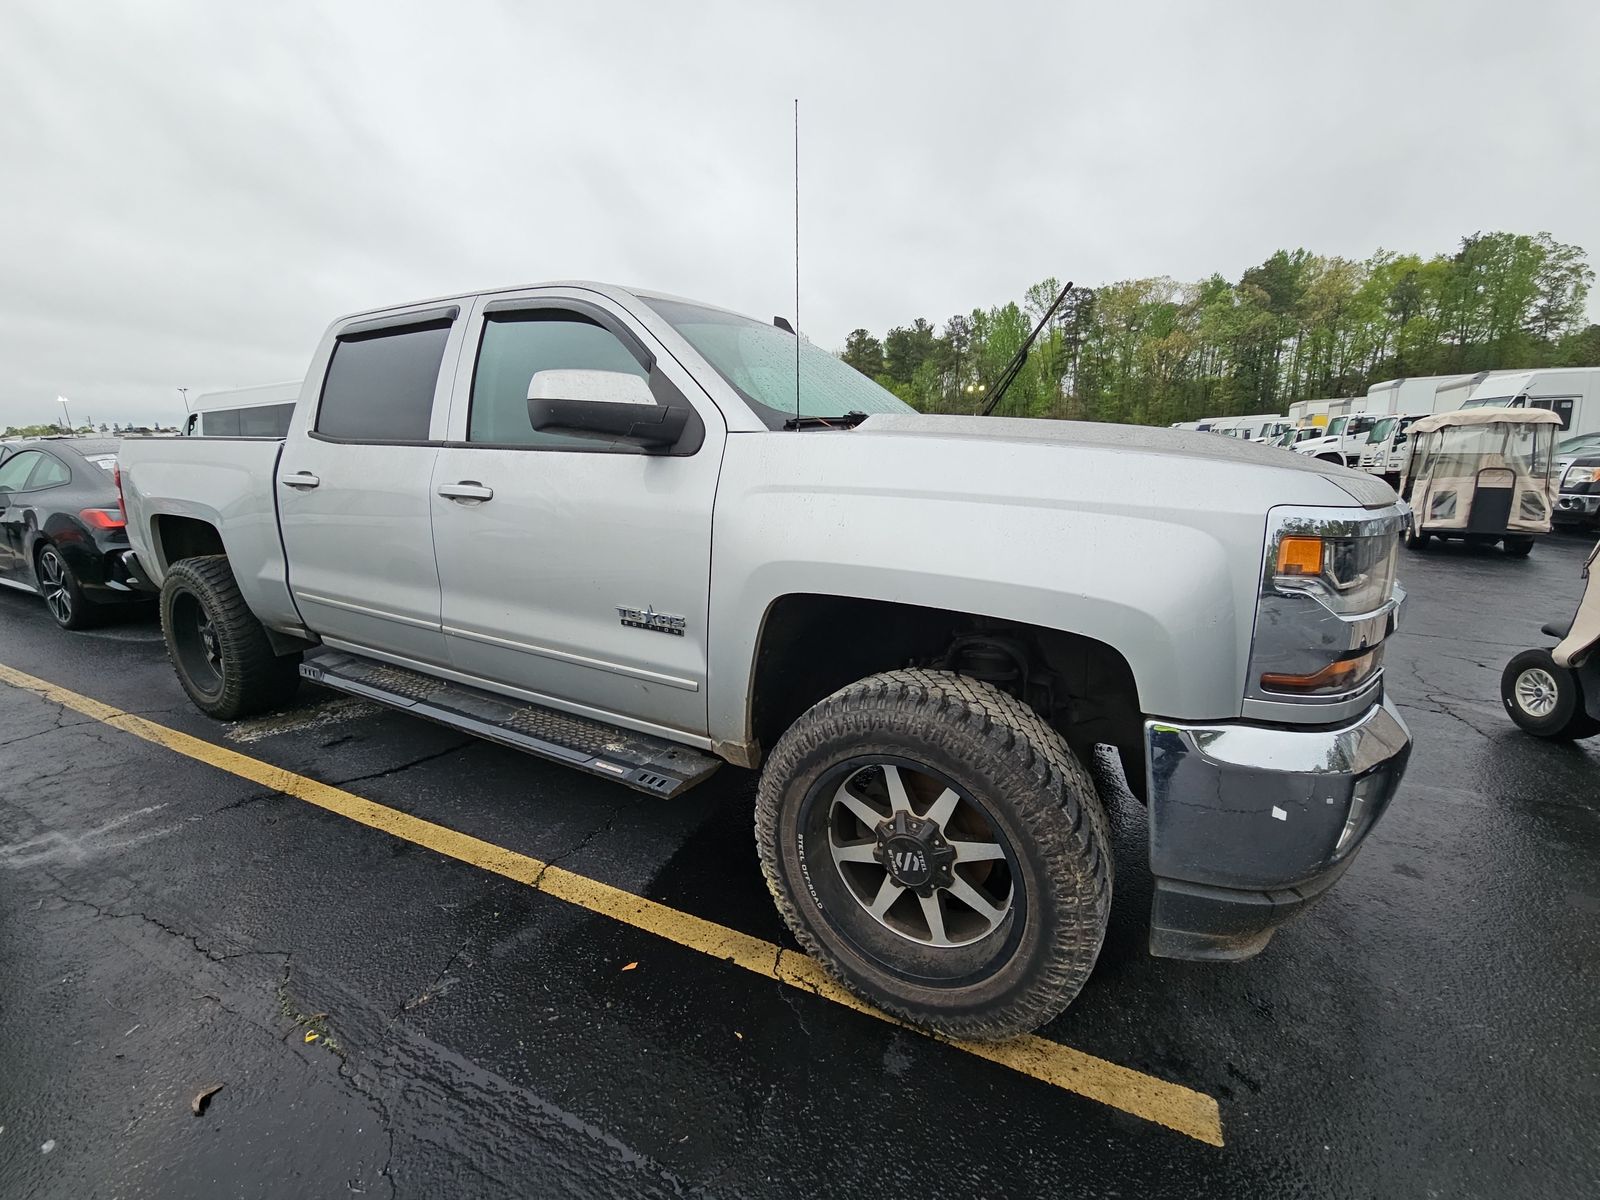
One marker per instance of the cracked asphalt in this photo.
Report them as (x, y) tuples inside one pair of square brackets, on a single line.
[(383, 1020)]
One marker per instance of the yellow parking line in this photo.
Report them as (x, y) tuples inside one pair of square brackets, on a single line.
[(1172, 1105)]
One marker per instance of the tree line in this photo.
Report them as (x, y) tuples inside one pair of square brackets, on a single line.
[(1299, 326)]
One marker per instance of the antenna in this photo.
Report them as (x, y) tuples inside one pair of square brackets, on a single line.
[(797, 262)]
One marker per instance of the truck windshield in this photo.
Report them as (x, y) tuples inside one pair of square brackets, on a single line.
[(1382, 430), (758, 362)]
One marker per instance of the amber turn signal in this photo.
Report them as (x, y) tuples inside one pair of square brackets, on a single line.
[(1336, 676), (1300, 556)]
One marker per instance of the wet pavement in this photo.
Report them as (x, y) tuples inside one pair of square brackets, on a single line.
[(386, 1020)]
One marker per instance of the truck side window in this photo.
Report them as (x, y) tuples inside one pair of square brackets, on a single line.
[(267, 420), (517, 345), (379, 386), (220, 423)]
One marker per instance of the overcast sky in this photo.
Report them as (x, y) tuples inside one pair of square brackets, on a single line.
[(191, 192)]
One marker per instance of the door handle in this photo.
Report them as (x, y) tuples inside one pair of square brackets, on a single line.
[(467, 491), (300, 479)]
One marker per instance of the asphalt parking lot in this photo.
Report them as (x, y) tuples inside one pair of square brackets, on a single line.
[(392, 1008)]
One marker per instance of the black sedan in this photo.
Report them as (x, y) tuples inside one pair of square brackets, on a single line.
[(63, 534)]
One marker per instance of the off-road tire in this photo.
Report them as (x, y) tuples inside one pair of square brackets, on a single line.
[(1567, 720), (1042, 799), (253, 679)]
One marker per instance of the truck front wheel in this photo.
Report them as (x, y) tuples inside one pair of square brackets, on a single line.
[(218, 648), (940, 850)]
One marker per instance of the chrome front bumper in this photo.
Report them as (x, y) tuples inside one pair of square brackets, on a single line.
[(1250, 823)]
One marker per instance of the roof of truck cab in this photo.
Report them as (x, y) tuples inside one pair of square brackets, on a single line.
[(588, 285)]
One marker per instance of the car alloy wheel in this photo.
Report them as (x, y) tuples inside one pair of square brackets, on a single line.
[(55, 585)]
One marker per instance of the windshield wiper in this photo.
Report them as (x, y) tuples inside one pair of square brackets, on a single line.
[(848, 421), (1021, 356)]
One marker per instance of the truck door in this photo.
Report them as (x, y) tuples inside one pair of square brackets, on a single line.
[(573, 571), (353, 485)]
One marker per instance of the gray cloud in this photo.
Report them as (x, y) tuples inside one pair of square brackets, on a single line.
[(192, 191)]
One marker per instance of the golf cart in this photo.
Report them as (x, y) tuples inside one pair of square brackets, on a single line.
[(1483, 475), (1556, 693)]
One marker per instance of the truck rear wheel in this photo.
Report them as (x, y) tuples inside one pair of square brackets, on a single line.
[(218, 648), (940, 850)]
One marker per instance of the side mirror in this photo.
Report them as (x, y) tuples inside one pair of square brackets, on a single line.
[(606, 406)]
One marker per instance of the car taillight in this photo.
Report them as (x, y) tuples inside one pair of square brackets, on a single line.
[(104, 518)]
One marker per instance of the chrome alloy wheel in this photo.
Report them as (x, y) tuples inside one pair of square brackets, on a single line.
[(1536, 692), (919, 856), (53, 585)]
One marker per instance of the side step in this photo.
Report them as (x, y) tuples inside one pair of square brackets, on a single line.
[(649, 764)]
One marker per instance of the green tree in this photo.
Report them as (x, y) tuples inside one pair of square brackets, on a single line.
[(864, 352)]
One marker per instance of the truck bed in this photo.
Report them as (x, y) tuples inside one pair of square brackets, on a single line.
[(227, 483)]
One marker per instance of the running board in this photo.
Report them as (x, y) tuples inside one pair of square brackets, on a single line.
[(649, 764)]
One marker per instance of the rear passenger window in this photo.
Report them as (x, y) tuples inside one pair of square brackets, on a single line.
[(14, 474), (379, 386), (50, 472), (518, 345)]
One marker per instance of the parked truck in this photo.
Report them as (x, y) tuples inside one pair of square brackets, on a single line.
[(614, 530), (1341, 440)]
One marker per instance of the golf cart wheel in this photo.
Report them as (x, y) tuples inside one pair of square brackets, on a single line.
[(1415, 539), (1545, 699), (937, 847), (1518, 547), (218, 648)]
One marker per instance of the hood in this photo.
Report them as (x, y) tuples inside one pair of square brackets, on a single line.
[(1176, 454)]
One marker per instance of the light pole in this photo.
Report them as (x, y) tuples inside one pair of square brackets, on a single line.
[(183, 394), (65, 412)]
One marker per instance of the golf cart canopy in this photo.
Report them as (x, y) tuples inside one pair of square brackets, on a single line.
[(1485, 416)]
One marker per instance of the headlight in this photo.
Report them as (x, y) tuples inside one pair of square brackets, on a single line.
[(1327, 604), (1348, 574), (1576, 475)]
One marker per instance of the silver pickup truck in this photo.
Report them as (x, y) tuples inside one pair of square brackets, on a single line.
[(606, 527)]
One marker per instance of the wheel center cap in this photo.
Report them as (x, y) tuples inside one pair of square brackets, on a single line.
[(914, 852)]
